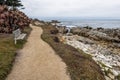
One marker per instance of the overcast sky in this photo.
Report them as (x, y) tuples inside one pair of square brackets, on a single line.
[(72, 8)]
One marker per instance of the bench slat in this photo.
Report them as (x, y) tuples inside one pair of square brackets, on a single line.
[(16, 33), (21, 36)]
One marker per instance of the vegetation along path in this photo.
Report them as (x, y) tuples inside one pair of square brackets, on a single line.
[(38, 61)]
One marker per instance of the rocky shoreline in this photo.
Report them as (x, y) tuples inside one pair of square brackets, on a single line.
[(109, 62), (103, 45)]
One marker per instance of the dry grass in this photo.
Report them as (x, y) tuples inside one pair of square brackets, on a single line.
[(79, 65)]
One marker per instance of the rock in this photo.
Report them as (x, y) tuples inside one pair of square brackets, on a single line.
[(69, 34), (107, 78), (118, 63), (116, 45), (97, 33), (112, 77), (111, 35), (62, 29), (115, 73), (81, 39)]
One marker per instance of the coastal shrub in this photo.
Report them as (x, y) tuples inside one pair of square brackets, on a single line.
[(11, 20), (54, 31), (56, 39), (79, 65), (100, 28), (119, 36), (88, 27)]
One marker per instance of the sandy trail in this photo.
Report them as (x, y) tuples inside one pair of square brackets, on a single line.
[(38, 61)]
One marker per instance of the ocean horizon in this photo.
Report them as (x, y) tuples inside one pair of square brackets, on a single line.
[(83, 22)]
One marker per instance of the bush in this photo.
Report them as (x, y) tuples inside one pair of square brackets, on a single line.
[(79, 65), (54, 31), (56, 39)]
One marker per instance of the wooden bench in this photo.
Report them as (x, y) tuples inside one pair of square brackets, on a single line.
[(18, 35)]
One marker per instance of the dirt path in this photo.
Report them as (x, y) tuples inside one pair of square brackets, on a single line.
[(38, 61)]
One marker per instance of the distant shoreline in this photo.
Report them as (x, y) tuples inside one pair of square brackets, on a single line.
[(94, 23)]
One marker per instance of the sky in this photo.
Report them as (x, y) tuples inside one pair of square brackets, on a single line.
[(72, 8)]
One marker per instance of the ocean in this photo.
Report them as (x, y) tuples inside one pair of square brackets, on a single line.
[(95, 23)]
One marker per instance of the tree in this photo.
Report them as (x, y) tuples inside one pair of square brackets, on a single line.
[(2, 2), (14, 3)]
